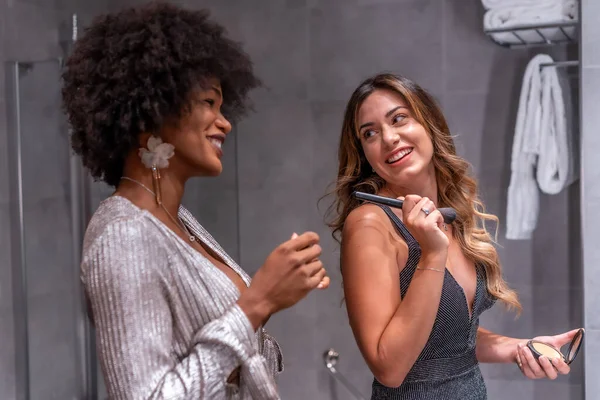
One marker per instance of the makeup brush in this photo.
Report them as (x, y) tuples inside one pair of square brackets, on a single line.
[(448, 213)]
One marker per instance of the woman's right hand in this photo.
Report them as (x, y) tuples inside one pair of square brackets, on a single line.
[(289, 273), (425, 222)]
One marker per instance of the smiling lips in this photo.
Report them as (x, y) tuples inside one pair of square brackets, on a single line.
[(217, 141), (399, 155)]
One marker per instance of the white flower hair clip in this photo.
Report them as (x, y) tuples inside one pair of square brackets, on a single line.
[(158, 153)]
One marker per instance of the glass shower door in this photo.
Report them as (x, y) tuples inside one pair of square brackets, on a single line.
[(51, 330)]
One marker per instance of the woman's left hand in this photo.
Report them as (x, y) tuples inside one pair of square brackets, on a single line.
[(544, 367)]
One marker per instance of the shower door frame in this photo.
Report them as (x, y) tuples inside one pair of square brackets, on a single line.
[(80, 211)]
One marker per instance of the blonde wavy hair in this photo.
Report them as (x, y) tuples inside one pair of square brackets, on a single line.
[(456, 188)]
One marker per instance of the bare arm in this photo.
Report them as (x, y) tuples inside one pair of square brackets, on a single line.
[(494, 348), (390, 332)]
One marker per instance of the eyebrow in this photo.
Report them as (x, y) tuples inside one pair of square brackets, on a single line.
[(387, 115), (216, 89)]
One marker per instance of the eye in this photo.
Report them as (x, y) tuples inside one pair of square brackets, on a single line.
[(368, 133), (210, 102), (398, 118)]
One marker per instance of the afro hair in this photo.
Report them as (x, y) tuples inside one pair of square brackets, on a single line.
[(134, 70)]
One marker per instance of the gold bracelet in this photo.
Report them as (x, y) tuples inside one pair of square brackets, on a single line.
[(431, 269)]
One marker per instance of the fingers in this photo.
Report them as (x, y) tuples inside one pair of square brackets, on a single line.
[(426, 213), (301, 242), (315, 272), (548, 368), (543, 367), (324, 284), (423, 208), (437, 217), (309, 254), (566, 337), (531, 368), (519, 361), (410, 204), (315, 280), (561, 366), (312, 268)]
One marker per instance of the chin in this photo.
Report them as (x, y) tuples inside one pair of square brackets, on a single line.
[(217, 173), (404, 177), (412, 173), (210, 170), (214, 172)]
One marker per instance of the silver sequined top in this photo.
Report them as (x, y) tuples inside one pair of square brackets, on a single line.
[(166, 318)]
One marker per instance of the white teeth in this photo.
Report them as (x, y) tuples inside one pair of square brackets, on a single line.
[(216, 142), (399, 155)]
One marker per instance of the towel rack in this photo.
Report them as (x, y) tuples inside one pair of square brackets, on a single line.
[(519, 32), (560, 64), (330, 358)]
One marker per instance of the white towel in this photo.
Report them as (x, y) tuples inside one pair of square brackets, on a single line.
[(540, 144), (553, 164), (544, 12)]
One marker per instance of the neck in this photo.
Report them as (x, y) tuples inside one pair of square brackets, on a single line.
[(424, 186), (171, 187)]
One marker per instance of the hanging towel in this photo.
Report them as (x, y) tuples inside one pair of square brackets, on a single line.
[(541, 158), (553, 164), (544, 12)]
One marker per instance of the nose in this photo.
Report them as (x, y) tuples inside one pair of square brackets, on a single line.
[(391, 137), (223, 124)]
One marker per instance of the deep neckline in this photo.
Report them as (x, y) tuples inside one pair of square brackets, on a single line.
[(413, 246), (470, 308), (201, 234)]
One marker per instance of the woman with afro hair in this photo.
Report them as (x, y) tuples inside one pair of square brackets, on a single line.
[(149, 94)]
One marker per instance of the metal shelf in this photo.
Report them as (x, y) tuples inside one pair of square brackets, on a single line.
[(535, 35)]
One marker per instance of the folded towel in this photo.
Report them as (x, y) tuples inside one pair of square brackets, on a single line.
[(515, 3), (545, 12), (540, 151)]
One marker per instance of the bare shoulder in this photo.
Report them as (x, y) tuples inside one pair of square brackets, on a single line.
[(366, 216), (369, 220), (368, 228)]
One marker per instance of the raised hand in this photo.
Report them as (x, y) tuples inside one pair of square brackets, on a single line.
[(544, 367), (289, 273)]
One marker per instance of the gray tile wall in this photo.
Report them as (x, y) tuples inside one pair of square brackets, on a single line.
[(31, 30), (590, 140)]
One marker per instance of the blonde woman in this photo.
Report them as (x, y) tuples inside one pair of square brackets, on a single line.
[(414, 286)]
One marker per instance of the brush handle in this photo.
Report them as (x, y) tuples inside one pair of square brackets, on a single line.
[(448, 213)]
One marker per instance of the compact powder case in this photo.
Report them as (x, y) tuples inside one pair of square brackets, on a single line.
[(543, 349)]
